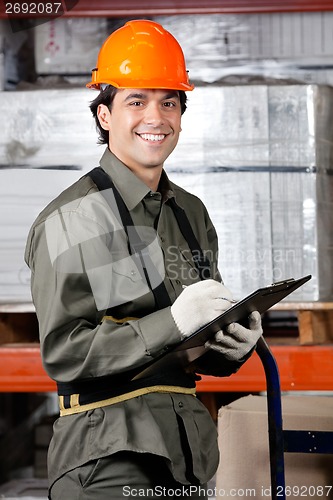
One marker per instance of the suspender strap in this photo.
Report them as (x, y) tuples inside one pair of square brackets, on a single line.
[(88, 394), (201, 262), (136, 246)]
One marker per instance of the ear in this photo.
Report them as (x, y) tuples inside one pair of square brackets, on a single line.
[(104, 116)]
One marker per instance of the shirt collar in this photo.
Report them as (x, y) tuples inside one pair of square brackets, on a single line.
[(130, 187), (165, 188)]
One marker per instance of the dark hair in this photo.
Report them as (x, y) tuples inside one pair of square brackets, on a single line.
[(106, 97)]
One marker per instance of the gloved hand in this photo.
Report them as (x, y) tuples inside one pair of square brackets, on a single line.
[(237, 341), (199, 304)]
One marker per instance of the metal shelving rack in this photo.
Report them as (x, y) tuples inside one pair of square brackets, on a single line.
[(123, 8), (301, 367)]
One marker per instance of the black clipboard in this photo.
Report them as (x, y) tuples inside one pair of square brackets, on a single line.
[(191, 348)]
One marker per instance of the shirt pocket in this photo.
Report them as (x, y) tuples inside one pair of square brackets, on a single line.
[(117, 283), (125, 278)]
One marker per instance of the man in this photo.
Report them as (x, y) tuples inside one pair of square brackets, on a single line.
[(124, 265)]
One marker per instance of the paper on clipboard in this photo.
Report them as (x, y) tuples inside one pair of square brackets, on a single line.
[(192, 347)]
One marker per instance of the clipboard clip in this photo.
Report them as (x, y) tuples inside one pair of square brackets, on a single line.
[(283, 282)]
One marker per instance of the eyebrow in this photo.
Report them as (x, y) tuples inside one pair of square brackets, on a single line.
[(140, 95), (135, 95)]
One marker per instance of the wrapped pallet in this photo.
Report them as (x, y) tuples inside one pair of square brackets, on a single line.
[(258, 155), (260, 158), (48, 140)]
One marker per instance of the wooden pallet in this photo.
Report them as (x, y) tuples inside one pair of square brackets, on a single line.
[(315, 321)]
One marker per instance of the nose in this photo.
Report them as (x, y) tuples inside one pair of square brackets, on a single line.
[(153, 115)]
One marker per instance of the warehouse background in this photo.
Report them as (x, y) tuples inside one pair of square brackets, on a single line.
[(256, 146), (262, 106)]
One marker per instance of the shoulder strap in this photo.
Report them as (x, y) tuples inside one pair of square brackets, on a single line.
[(201, 262), (136, 247)]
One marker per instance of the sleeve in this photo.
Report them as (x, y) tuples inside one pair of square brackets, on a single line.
[(214, 363), (75, 342)]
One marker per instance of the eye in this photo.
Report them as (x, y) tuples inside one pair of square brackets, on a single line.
[(169, 104), (136, 103)]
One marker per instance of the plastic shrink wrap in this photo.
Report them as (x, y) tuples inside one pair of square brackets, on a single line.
[(256, 148)]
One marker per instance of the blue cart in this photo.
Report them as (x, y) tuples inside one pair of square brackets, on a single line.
[(285, 441)]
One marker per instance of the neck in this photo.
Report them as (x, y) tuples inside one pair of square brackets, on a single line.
[(151, 177)]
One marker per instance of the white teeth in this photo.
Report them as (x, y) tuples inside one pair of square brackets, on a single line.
[(152, 137)]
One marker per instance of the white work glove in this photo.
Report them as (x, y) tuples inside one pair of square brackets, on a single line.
[(236, 341), (199, 304)]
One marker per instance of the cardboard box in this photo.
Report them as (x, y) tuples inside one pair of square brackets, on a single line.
[(244, 468)]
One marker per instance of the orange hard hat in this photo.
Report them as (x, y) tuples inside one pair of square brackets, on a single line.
[(141, 54)]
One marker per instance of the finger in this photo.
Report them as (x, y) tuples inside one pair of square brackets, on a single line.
[(223, 303), (224, 346), (229, 342), (238, 332), (254, 320), (219, 336), (225, 340)]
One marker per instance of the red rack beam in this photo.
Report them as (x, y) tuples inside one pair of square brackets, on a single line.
[(302, 368), (146, 8)]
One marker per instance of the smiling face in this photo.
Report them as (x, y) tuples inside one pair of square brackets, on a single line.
[(143, 125)]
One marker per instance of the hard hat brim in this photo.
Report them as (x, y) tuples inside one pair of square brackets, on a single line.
[(142, 85)]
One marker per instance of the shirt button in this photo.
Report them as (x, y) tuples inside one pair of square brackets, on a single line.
[(180, 404), (133, 273)]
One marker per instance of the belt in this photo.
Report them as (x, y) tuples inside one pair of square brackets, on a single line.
[(76, 407)]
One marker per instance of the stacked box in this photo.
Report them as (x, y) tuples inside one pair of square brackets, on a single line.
[(282, 126), (259, 156), (46, 143), (274, 45), (264, 172), (48, 129), (239, 205), (2, 56), (23, 194), (224, 127), (60, 44)]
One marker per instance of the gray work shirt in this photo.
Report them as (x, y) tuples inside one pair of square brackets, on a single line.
[(74, 282)]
